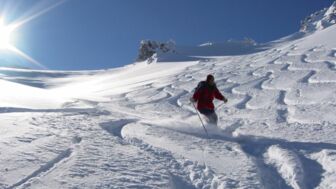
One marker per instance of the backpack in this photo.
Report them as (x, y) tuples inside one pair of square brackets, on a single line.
[(202, 85)]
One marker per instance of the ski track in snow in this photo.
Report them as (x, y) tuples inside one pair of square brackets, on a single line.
[(276, 131)]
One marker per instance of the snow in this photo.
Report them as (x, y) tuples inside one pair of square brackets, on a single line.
[(288, 165), (134, 127), (327, 158), (320, 19)]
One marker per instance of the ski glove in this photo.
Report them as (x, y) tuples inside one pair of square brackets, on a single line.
[(225, 100)]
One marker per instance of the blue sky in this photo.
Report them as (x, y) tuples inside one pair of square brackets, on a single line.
[(98, 34)]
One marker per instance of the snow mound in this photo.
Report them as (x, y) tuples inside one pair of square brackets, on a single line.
[(288, 164), (327, 158)]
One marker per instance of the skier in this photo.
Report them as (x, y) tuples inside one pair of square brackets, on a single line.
[(204, 94)]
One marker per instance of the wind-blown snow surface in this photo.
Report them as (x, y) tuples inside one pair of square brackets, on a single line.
[(133, 127)]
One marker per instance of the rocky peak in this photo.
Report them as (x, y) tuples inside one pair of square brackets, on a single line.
[(149, 47), (319, 20)]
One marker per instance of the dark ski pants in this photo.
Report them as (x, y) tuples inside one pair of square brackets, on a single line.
[(210, 115)]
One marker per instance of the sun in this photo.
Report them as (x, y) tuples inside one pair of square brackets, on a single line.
[(5, 35), (8, 31), (6, 42)]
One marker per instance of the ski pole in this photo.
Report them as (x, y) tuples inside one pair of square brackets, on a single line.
[(220, 106), (199, 116)]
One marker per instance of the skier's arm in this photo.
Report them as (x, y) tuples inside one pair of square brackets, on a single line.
[(219, 95), (196, 95)]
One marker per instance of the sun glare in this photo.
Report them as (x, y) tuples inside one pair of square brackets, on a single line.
[(6, 42), (5, 35), (7, 29)]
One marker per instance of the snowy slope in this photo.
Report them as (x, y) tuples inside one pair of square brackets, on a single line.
[(133, 127)]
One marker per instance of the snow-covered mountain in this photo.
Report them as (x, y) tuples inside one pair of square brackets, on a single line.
[(134, 127), (153, 51), (149, 49), (320, 19)]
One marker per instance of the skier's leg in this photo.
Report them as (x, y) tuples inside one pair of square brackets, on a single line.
[(213, 118), (206, 113), (210, 115)]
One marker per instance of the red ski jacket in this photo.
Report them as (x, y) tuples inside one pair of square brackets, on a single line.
[(205, 95)]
